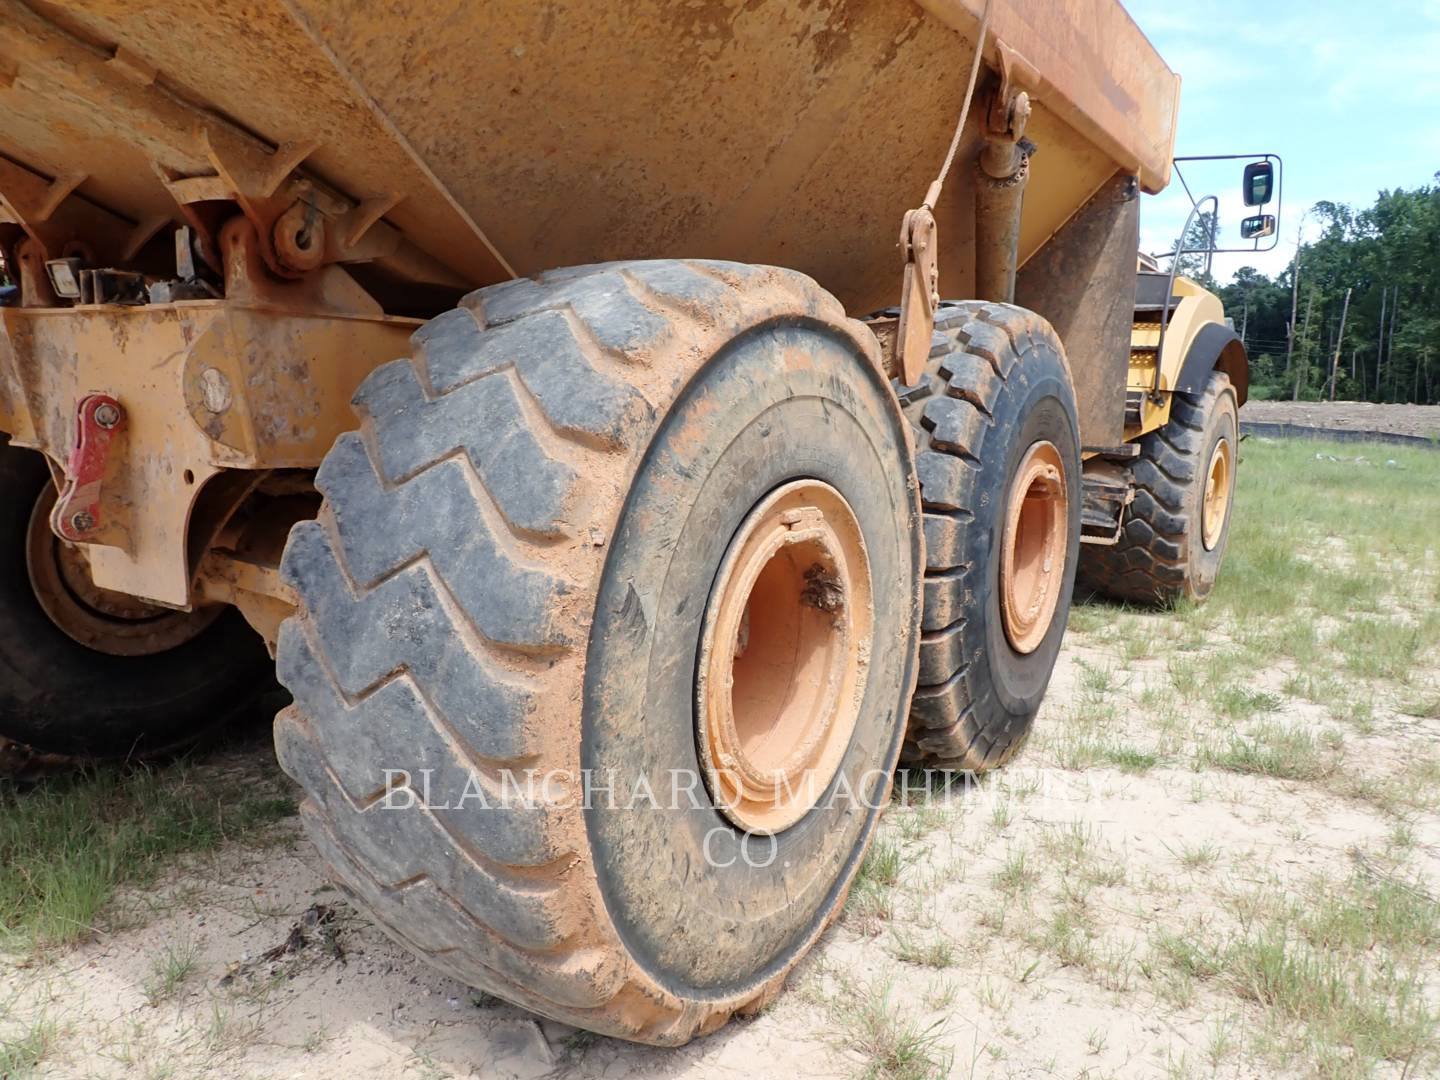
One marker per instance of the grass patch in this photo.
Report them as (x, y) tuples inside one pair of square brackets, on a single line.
[(1377, 1012), (1185, 954), (1241, 703), (1128, 759), (882, 863), (1378, 648), (1097, 680), (1313, 534), (1272, 749), (23, 1052), (1336, 968), (1087, 618), (69, 844), (169, 970), (871, 900), (935, 953), (893, 1047), (1016, 876), (1199, 856), (1370, 913), (1426, 707)]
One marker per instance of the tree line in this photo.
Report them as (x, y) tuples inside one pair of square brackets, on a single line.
[(1362, 322)]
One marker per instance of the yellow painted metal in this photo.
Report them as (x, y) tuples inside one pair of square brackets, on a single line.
[(252, 586), (1197, 308), (206, 386), (1219, 483)]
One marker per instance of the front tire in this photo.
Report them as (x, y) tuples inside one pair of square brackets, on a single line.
[(509, 579), (1177, 526)]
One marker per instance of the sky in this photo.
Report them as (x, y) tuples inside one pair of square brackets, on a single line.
[(1347, 93)]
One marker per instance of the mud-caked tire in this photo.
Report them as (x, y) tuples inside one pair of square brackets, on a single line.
[(996, 387), (501, 611), (1173, 539), (92, 675)]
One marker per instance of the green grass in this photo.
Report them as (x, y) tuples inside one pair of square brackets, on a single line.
[(1373, 1011), (1128, 759), (67, 845), (1312, 539), (1016, 876), (1385, 648), (1334, 966), (1367, 913), (1240, 703), (169, 970), (871, 901), (1199, 857), (1272, 749), (882, 863), (1322, 634), (1426, 706), (1097, 680), (23, 1052), (892, 1046), (911, 949)]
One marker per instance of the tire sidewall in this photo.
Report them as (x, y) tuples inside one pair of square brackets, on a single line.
[(782, 403), (1221, 422), (1043, 409)]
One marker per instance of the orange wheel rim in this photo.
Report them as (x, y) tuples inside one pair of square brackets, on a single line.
[(784, 655), (1032, 561), (1215, 507)]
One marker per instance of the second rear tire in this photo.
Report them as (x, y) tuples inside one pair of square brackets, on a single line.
[(94, 674), (998, 458)]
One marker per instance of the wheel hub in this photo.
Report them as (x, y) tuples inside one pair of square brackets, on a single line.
[(1215, 506), (1032, 566), (106, 621), (783, 656)]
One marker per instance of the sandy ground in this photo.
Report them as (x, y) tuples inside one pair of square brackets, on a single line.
[(348, 1004), (1422, 420)]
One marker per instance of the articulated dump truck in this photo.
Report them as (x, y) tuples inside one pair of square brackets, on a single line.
[(561, 398)]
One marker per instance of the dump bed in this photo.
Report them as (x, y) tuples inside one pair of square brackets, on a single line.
[(505, 138)]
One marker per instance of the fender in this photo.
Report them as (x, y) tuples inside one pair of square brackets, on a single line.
[(1215, 348)]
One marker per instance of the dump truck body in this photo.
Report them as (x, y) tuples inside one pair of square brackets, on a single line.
[(507, 139)]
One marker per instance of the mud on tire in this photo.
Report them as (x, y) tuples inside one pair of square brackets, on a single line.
[(996, 381), (509, 574), (1162, 555)]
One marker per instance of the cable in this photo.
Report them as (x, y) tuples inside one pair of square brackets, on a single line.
[(932, 194)]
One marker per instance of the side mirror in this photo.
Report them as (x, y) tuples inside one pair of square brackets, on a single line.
[(1253, 228), (1259, 184)]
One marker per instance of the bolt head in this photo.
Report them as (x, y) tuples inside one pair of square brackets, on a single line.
[(107, 415), (81, 521)]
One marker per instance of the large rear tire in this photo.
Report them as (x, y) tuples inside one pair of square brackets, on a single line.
[(1176, 528), (93, 674), (998, 456), (505, 594)]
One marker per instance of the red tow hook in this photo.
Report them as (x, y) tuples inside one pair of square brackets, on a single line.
[(98, 419)]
